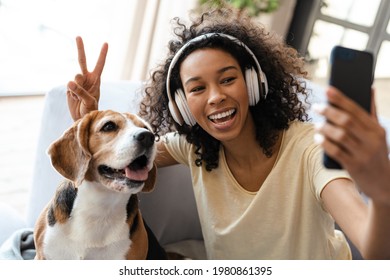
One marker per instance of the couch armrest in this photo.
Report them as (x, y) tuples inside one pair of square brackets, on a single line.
[(10, 221)]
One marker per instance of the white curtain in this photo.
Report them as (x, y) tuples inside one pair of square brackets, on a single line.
[(148, 34)]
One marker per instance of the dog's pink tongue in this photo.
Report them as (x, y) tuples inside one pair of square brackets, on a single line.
[(137, 175)]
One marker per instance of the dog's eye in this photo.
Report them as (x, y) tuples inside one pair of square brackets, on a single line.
[(109, 126)]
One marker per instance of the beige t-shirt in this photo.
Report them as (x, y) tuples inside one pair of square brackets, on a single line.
[(285, 219)]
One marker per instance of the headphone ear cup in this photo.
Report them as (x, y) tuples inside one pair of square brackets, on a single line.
[(175, 112), (184, 110), (252, 84), (249, 88), (256, 86)]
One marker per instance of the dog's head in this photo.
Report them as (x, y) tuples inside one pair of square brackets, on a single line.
[(116, 150)]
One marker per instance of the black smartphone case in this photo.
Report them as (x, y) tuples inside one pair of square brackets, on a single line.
[(352, 73)]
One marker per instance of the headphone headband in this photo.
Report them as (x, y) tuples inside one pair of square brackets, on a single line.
[(173, 106)]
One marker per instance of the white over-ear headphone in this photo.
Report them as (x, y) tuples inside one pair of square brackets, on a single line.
[(256, 82)]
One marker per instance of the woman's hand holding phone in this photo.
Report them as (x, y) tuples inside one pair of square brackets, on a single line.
[(355, 139)]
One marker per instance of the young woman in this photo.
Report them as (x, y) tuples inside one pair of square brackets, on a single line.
[(227, 102)]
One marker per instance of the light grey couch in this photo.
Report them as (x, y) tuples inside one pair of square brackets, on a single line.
[(170, 210)]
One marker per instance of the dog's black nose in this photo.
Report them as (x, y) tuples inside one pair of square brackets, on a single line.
[(145, 138)]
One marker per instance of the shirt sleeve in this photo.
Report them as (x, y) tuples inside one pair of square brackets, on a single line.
[(322, 175), (178, 147)]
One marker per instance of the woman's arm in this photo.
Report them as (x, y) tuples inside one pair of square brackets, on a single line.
[(357, 140), (367, 226), (163, 157)]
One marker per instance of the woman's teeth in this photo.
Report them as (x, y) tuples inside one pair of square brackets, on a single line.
[(222, 116)]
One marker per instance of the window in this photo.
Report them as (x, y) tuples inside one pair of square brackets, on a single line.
[(351, 11), (357, 24)]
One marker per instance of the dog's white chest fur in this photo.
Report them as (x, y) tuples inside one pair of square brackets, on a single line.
[(96, 229)]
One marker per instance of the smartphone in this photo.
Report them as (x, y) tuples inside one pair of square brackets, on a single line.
[(351, 71)]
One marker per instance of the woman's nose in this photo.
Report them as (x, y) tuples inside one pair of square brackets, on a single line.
[(216, 96)]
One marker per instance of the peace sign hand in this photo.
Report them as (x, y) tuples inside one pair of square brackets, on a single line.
[(84, 92)]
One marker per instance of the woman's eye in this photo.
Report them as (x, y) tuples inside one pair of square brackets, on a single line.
[(196, 89), (109, 126), (228, 80)]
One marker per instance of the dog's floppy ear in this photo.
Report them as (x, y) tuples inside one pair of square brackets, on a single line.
[(151, 181), (69, 154)]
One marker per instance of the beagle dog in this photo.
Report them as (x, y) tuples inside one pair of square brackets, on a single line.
[(107, 158)]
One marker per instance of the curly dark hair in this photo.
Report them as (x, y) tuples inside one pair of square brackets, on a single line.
[(282, 65)]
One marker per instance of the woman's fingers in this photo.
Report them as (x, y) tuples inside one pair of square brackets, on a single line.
[(350, 108), (84, 92), (101, 60), (81, 94), (81, 55), (83, 59), (350, 134), (347, 115)]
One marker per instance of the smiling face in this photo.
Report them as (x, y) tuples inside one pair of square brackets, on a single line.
[(216, 93)]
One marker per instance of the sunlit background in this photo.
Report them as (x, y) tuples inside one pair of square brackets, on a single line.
[(37, 39)]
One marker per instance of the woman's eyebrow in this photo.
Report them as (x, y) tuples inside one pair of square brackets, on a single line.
[(224, 69), (192, 79)]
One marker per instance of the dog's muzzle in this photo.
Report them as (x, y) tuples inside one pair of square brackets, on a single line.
[(136, 172)]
